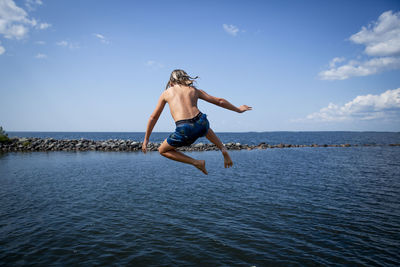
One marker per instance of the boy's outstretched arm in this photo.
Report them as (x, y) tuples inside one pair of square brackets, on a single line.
[(222, 102), (153, 120)]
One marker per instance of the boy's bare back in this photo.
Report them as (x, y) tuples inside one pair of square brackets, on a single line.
[(182, 101)]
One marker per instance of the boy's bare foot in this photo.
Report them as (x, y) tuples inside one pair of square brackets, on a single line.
[(201, 165), (227, 159)]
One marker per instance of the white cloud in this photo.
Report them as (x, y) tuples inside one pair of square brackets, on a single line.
[(231, 29), (356, 68), (40, 56), (385, 106), (16, 31), (40, 42), (68, 44), (102, 38), (381, 38), (382, 43), (15, 22)]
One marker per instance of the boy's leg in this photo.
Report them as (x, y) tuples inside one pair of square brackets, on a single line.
[(169, 151), (215, 140)]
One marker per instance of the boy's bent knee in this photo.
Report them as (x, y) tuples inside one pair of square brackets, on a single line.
[(164, 147), (163, 150)]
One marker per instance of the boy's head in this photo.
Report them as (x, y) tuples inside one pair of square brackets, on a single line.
[(180, 77)]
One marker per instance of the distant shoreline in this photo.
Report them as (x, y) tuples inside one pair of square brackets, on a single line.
[(50, 144), (244, 132)]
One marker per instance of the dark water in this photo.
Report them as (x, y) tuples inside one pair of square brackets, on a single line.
[(251, 138), (297, 206)]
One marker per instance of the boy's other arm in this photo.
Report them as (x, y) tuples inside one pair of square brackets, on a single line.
[(153, 120), (222, 102)]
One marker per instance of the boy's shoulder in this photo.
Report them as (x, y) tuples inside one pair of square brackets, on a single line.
[(166, 94)]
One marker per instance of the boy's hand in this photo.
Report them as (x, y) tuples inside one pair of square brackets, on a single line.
[(244, 108), (144, 146)]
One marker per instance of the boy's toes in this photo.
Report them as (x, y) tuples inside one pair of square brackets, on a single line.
[(228, 164)]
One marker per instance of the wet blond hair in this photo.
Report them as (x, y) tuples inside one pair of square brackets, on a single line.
[(180, 77)]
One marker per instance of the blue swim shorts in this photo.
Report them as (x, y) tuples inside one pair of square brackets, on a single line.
[(187, 131)]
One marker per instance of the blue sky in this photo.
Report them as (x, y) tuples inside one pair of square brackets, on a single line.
[(101, 65)]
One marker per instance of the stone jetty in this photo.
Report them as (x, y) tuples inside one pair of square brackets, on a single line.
[(50, 144)]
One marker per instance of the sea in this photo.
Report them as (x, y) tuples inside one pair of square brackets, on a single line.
[(304, 206)]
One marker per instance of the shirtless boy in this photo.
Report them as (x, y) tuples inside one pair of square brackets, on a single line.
[(182, 96)]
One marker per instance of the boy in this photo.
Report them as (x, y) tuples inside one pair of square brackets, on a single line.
[(182, 96)]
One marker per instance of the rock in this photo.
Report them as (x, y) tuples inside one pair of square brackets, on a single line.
[(198, 145), (134, 144), (23, 140), (39, 144)]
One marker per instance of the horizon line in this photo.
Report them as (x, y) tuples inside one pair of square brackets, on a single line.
[(359, 131)]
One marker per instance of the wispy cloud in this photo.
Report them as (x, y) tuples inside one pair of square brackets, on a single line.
[(102, 38), (382, 43), (154, 64), (230, 29), (62, 43), (68, 44), (2, 49), (15, 21), (385, 106), (43, 26), (336, 60), (40, 42), (41, 56), (32, 4)]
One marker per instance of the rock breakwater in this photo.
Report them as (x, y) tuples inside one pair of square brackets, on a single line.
[(50, 144)]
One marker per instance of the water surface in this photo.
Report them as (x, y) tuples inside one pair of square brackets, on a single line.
[(300, 206)]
